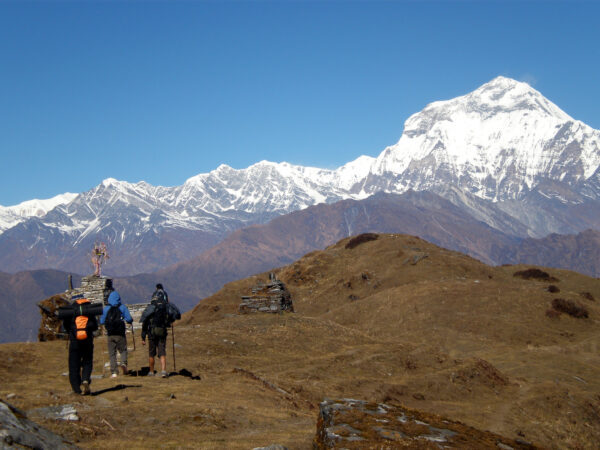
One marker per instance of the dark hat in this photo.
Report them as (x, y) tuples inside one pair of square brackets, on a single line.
[(159, 286)]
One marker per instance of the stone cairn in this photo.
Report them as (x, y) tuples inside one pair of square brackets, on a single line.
[(95, 289), (272, 297)]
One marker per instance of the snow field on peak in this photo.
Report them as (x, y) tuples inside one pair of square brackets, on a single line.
[(13, 215), (504, 130)]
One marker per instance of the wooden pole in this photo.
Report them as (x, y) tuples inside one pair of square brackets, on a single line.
[(173, 333)]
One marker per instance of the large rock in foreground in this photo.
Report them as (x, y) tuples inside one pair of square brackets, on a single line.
[(16, 431), (355, 424)]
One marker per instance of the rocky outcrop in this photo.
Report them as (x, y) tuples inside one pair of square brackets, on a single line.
[(356, 424), (272, 297), (18, 432), (51, 326)]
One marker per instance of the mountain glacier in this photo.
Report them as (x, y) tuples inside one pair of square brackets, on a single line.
[(503, 153), (497, 143)]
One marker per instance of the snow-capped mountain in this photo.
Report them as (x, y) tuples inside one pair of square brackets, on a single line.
[(12, 215), (503, 153), (497, 143)]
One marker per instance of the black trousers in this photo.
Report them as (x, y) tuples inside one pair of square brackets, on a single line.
[(81, 359)]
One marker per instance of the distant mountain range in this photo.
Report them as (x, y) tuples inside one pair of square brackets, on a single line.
[(284, 239), (502, 154)]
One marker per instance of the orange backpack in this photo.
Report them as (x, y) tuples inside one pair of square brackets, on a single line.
[(81, 321)]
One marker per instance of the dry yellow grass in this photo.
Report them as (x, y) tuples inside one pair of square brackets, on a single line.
[(447, 335)]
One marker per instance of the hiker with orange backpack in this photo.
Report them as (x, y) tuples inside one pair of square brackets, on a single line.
[(80, 323)]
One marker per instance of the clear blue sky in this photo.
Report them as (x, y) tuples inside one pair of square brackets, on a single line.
[(162, 91)]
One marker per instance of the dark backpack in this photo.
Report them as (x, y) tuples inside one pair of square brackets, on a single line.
[(160, 296), (159, 320), (113, 322)]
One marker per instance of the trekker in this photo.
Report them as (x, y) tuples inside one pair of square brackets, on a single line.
[(80, 327), (112, 318), (160, 293), (156, 319)]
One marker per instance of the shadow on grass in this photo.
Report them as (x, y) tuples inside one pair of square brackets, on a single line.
[(145, 370), (118, 387)]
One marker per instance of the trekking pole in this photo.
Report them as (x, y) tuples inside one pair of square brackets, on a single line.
[(132, 336), (173, 333)]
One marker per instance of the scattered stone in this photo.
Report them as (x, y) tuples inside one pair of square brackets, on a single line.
[(414, 259), (11, 395), (60, 412), (482, 372), (16, 431), (172, 396), (272, 297), (418, 396), (553, 289), (356, 424)]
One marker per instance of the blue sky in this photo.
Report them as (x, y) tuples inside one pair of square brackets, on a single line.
[(161, 91)]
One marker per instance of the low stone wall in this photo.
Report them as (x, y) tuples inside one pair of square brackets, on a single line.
[(356, 424), (272, 297), (136, 310)]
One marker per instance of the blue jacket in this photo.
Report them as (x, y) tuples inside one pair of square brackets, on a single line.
[(114, 299)]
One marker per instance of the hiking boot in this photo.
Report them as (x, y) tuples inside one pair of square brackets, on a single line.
[(151, 373), (114, 375), (85, 388), (163, 374), (124, 369)]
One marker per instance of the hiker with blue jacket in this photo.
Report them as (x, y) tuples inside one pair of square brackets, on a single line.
[(156, 319), (112, 318)]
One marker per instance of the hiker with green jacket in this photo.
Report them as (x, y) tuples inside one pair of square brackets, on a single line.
[(156, 319)]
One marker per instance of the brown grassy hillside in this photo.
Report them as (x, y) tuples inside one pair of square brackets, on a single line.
[(394, 320)]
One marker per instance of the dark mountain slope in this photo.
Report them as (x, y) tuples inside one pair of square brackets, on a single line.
[(19, 294)]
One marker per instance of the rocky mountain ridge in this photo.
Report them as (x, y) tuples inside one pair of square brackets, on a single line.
[(286, 238), (502, 153)]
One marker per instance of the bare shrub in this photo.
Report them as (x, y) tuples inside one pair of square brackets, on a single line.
[(570, 308), (535, 274), (587, 296), (554, 289), (360, 239), (552, 313)]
